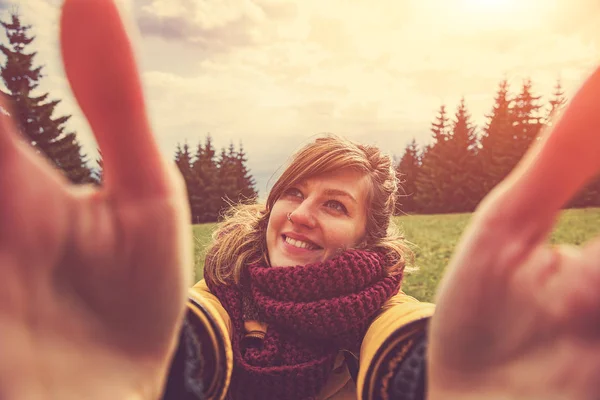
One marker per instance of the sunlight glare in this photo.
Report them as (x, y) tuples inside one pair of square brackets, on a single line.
[(490, 5), (501, 14)]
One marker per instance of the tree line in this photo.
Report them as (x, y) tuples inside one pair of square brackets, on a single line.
[(452, 174), (214, 182), (461, 165)]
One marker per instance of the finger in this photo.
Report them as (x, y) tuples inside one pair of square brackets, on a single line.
[(100, 66), (573, 272), (31, 189), (14, 148), (18, 155)]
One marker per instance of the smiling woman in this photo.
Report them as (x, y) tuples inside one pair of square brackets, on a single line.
[(337, 202), (308, 284)]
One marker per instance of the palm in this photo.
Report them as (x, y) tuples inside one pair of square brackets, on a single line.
[(93, 281), (517, 318)]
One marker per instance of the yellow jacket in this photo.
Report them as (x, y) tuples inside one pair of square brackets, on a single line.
[(400, 318)]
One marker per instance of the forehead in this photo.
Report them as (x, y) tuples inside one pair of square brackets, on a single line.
[(355, 183)]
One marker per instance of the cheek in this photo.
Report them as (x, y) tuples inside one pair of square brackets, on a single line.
[(345, 236), (276, 219), (270, 231)]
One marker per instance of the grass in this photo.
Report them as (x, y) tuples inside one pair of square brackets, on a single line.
[(434, 238)]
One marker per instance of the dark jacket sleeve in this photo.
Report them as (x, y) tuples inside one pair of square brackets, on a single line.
[(185, 380), (401, 374), (203, 363), (393, 353)]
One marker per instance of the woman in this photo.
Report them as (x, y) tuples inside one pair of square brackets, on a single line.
[(298, 283), (94, 282)]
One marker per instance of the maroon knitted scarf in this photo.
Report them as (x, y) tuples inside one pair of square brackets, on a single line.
[(312, 311)]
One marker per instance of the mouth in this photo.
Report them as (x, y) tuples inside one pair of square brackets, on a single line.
[(301, 244)]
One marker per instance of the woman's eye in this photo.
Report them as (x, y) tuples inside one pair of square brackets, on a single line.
[(336, 205), (293, 192)]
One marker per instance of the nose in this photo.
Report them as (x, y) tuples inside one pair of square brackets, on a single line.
[(304, 215)]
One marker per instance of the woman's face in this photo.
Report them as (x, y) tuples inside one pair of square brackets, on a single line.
[(329, 213)]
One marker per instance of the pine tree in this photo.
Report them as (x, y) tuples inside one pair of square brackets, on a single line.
[(428, 196), (245, 182), (497, 154), (235, 182), (406, 173), (528, 121), (460, 192), (440, 128), (183, 160), (227, 181), (215, 183), (196, 194), (206, 171), (557, 102), (32, 113), (99, 173)]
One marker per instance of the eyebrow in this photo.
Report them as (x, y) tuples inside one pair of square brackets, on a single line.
[(337, 192), (333, 192)]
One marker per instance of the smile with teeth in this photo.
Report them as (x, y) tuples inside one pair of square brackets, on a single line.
[(300, 244)]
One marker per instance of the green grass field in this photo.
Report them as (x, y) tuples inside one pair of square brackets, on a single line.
[(434, 237)]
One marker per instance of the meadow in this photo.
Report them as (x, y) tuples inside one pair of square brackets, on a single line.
[(433, 238)]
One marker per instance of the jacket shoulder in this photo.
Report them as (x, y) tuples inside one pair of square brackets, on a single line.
[(389, 337)]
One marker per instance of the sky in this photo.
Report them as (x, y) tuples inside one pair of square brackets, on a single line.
[(273, 74)]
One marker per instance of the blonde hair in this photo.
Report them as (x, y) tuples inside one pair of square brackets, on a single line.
[(241, 238)]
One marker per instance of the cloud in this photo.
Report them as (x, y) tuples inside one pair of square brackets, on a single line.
[(576, 17), (280, 10), (273, 73), (210, 26)]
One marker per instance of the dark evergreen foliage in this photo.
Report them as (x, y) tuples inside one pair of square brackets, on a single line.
[(32, 112), (214, 183), (406, 172)]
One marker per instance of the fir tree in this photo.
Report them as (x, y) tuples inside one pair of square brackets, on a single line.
[(428, 196), (447, 179), (463, 135), (196, 194), (205, 169), (440, 127), (99, 173), (557, 102), (235, 182), (406, 173), (245, 182), (183, 160), (497, 154), (33, 114), (227, 181), (528, 121), (460, 192)]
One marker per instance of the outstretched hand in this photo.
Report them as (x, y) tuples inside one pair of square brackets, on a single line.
[(517, 318), (93, 281)]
